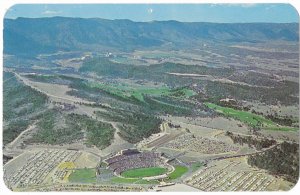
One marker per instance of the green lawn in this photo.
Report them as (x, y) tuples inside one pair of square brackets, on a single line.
[(243, 116), (178, 172), (249, 118), (83, 176), (144, 172), (196, 166), (282, 128), (186, 92), (138, 92), (123, 180)]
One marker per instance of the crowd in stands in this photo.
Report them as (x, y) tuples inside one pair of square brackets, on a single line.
[(123, 162)]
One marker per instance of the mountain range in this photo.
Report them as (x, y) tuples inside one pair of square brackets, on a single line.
[(47, 35)]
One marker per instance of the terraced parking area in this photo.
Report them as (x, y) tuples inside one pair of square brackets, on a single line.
[(38, 167), (85, 188), (234, 175), (200, 144)]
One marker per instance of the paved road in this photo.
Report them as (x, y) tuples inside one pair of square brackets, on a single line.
[(246, 154)]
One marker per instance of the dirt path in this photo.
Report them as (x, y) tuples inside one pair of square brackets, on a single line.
[(214, 79), (67, 97), (118, 142), (17, 140)]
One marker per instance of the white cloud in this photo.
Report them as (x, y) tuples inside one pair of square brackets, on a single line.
[(150, 10), (248, 5), (50, 12)]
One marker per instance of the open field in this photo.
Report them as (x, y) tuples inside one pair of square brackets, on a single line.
[(251, 119), (56, 91), (125, 91), (216, 123), (84, 175), (87, 160)]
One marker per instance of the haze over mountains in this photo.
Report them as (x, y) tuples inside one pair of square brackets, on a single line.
[(47, 35)]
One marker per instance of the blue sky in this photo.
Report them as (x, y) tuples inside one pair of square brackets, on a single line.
[(222, 13)]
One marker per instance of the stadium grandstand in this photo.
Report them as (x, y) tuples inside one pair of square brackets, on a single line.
[(133, 159)]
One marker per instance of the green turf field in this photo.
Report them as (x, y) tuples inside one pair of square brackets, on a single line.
[(132, 180), (178, 172), (249, 118), (83, 176), (144, 172)]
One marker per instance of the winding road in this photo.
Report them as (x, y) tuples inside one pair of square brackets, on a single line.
[(118, 142)]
